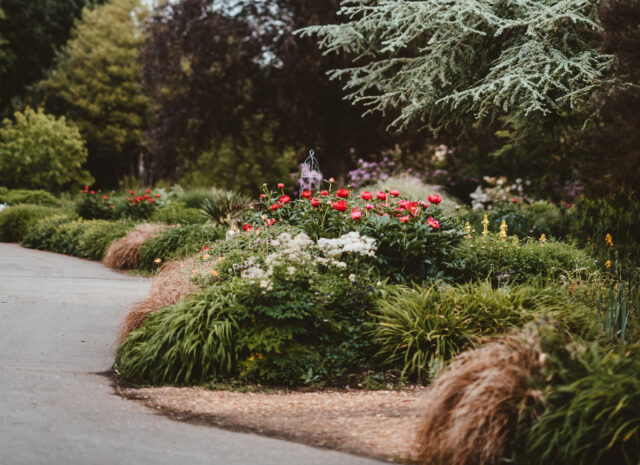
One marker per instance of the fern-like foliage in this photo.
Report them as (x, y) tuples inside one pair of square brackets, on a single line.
[(441, 61)]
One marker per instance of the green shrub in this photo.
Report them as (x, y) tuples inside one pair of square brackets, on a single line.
[(178, 213), (15, 221), (513, 261), (92, 206), (34, 197), (41, 151), (590, 409), (78, 237), (420, 328), (40, 235), (178, 242), (192, 198), (296, 316)]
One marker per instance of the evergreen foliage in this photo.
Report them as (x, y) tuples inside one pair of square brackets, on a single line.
[(96, 84), (438, 62)]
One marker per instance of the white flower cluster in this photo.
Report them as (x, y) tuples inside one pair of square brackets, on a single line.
[(352, 242), (300, 250)]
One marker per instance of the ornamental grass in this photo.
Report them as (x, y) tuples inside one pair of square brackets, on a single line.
[(170, 286), (475, 406), (125, 252)]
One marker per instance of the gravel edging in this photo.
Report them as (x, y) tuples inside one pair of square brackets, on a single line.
[(375, 424)]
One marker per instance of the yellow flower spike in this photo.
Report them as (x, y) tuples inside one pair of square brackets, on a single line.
[(503, 230), (609, 239), (607, 264), (157, 260), (467, 230), (543, 238), (485, 226)]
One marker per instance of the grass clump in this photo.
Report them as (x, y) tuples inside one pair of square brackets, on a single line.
[(474, 406), (418, 329), (177, 242), (512, 261), (123, 253), (16, 221), (178, 213)]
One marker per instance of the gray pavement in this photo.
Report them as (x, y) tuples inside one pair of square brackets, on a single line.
[(58, 321)]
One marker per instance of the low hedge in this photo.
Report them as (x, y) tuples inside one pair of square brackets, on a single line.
[(81, 238), (35, 197), (16, 221), (178, 213)]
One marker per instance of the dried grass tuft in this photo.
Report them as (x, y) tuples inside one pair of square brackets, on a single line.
[(124, 253), (169, 286), (474, 406)]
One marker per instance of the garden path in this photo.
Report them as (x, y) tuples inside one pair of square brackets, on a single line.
[(58, 319)]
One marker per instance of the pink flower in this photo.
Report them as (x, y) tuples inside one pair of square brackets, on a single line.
[(344, 193), (433, 223), (340, 205), (105, 197), (381, 195), (315, 202), (356, 214), (403, 203), (306, 194), (280, 185), (369, 206), (332, 180), (514, 200), (366, 195), (152, 200), (324, 193), (434, 198), (403, 219), (394, 193), (262, 196), (285, 199), (92, 192)]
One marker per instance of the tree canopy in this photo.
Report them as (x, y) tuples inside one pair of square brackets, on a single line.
[(439, 62), (96, 84)]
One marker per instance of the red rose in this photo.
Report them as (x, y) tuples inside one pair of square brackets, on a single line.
[(381, 195), (92, 192), (285, 199), (204, 249), (340, 205), (280, 185), (86, 188), (356, 214), (158, 196), (315, 202), (366, 195), (306, 194), (424, 204), (344, 193), (146, 196), (403, 203), (274, 207), (152, 200), (403, 219), (434, 198), (139, 198), (132, 192), (433, 223), (105, 197), (514, 200), (394, 193), (324, 193), (247, 227), (271, 222), (369, 206), (332, 180), (413, 207), (148, 191)]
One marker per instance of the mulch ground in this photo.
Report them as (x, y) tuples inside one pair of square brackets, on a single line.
[(377, 424)]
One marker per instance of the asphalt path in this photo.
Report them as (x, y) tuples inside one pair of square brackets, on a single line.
[(59, 318)]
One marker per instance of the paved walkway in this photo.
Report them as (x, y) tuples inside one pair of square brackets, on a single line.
[(58, 319)]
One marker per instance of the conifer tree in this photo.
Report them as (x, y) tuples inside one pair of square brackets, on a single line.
[(96, 84), (444, 61)]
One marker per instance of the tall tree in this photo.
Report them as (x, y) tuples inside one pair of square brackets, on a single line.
[(96, 84), (33, 30)]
